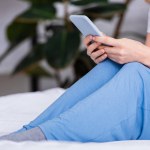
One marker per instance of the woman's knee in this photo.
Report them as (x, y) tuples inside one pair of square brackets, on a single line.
[(109, 64), (134, 66)]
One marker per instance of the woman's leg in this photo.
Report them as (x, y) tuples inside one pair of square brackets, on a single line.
[(92, 81), (120, 110)]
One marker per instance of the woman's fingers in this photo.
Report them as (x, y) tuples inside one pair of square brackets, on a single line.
[(112, 50), (87, 40), (97, 53), (91, 48), (106, 40), (101, 58)]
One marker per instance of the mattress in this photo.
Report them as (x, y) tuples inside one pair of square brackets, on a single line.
[(17, 110)]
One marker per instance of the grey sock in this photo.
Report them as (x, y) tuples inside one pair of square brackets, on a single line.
[(34, 134)]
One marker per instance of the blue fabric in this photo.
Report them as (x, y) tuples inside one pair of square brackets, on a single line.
[(109, 103)]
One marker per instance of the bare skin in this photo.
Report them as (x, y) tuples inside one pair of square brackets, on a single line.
[(148, 40), (122, 51)]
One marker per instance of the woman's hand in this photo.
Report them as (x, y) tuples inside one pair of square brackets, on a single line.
[(122, 50), (95, 50)]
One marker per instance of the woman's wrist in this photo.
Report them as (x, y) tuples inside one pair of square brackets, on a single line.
[(144, 56)]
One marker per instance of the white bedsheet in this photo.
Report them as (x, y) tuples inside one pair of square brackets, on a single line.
[(19, 109)]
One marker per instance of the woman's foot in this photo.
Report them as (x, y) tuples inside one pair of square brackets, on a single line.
[(34, 134)]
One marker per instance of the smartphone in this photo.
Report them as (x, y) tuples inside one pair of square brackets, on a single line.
[(85, 25)]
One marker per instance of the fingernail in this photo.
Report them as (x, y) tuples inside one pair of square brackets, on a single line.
[(93, 38)]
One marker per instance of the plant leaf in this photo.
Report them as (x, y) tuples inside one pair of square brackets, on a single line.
[(86, 2), (42, 2), (104, 10), (17, 32), (33, 57), (36, 13), (62, 48), (8, 50)]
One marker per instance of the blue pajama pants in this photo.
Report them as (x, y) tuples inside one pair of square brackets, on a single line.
[(110, 103)]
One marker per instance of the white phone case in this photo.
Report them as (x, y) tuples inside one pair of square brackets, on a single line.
[(85, 25)]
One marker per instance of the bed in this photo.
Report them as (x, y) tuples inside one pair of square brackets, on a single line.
[(19, 109)]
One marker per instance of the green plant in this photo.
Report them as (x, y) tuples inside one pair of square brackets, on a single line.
[(62, 46)]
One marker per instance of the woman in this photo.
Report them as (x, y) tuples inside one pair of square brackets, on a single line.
[(111, 102)]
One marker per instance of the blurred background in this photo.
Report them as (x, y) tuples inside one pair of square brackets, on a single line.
[(41, 49)]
